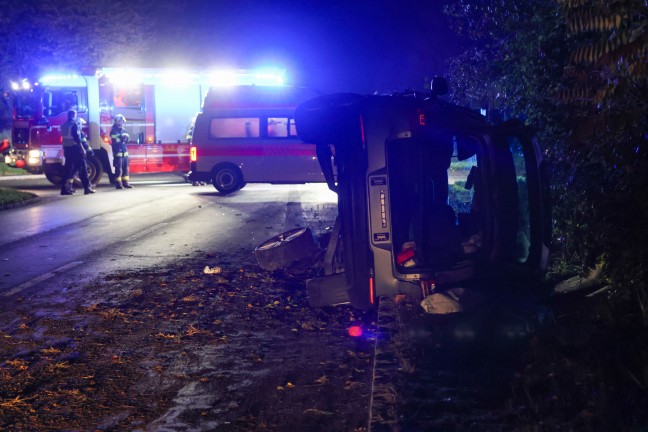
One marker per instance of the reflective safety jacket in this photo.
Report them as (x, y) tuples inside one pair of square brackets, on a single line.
[(119, 137), (70, 134)]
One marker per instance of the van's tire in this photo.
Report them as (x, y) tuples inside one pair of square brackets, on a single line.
[(294, 247), (227, 178)]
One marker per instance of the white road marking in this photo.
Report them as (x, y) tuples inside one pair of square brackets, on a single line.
[(42, 277)]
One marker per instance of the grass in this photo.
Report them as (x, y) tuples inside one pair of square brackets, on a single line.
[(6, 170), (12, 196)]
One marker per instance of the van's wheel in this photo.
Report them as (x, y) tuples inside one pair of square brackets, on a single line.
[(287, 249), (227, 179)]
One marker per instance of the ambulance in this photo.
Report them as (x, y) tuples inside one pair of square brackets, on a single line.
[(246, 134)]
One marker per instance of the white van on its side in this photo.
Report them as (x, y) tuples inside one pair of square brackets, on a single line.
[(246, 134)]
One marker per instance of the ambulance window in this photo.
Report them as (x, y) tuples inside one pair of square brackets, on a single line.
[(292, 130), (243, 127), (277, 127)]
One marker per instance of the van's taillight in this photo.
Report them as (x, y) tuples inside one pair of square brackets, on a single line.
[(193, 154)]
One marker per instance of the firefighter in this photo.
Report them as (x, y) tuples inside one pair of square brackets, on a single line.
[(83, 166), (119, 138), (74, 156)]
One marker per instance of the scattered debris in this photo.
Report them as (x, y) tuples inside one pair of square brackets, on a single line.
[(578, 283), (296, 248), (454, 300), (212, 270), (441, 303)]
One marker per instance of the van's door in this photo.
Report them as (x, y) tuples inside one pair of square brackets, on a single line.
[(281, 156), (519, 198)]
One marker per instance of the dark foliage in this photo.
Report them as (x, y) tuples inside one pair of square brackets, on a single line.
[(71, 36), (576, 71)]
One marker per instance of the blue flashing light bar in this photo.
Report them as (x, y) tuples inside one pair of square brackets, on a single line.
[(180, 77), (174, 77), (258, 77), (48, 79)]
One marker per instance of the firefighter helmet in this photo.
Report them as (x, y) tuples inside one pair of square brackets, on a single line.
[(120, 117)]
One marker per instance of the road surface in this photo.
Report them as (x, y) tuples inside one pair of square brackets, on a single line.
[(161, 219)]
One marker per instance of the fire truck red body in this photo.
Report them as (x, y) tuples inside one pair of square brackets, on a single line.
[(159, 107)]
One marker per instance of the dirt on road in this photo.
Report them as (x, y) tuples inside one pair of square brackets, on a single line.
[(178, 349), (240, 349)]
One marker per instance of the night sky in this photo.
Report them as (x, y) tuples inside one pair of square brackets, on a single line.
[(359, 46)]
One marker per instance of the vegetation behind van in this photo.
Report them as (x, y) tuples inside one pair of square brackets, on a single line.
[(246, 134)]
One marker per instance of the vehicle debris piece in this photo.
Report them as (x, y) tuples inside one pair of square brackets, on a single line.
[(212, 270), (442, 303), (294, 248), (454, 300), (593, 279)]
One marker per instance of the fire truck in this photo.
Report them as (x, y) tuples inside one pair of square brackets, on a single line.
[(159, 107)]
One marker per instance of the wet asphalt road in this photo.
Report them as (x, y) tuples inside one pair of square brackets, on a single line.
[(98, 278), (161, 219)]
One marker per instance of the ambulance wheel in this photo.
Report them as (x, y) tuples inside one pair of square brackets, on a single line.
[(227, 179), (286, 249)]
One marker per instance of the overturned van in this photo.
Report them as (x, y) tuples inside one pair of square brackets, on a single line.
[(429, 196)]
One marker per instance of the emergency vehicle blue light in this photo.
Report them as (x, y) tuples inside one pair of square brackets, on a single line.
[(258, 77), (54, 78)]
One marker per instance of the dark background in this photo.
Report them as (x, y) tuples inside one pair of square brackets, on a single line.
[(360, 46)]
